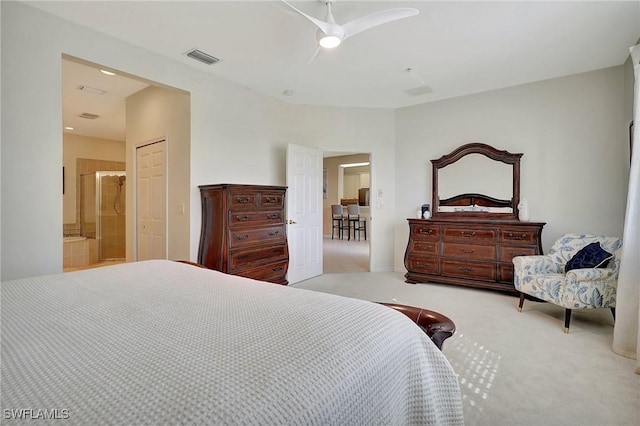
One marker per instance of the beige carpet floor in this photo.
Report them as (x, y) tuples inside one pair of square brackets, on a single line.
[(516, 368)]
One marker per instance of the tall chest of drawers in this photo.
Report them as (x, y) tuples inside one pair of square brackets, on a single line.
[(243, 231), (474, 253)]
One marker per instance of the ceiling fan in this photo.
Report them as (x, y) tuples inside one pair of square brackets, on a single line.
[(330, 34)]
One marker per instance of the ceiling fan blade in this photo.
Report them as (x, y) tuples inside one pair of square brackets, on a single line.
[(325, 27), (356, 26), (315, 54)]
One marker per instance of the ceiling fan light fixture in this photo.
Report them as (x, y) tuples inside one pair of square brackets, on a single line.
[(330, 41)]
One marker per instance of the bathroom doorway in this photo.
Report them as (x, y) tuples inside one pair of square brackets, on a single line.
[(106, 114), (94, 163)]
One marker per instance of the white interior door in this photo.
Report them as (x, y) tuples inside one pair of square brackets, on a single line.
[(151, 201), (304, 212)]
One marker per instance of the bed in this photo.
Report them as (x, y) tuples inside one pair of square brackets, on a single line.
[(166, 342)]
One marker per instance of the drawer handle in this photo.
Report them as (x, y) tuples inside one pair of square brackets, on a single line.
[(468, 251), (516, 237), (466, 270), (423, 232), (243, 257), (242, 218), (468, 234), (421, 247), (242, 237), (273, 233), (272, 200), (273, 216), (423, 265), (243, 200), (279, 268)]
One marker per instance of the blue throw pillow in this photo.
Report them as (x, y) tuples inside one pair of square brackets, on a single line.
[(590, 256)]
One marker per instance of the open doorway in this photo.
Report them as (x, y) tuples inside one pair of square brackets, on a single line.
[(94, 164), (347, 181), (106, 115)]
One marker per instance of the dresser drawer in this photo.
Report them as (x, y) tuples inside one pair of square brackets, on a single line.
[(243, 200), (250, 257), (473, 270), (425, 264), (253, 219), (509, 252), (271, 272), (506, 273), (470, 235), (270, 235), (425, 232), (469, 251), (424, 247), (518, 235), (271, 200)]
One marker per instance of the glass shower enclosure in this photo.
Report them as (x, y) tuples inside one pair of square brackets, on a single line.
[(102, 212)]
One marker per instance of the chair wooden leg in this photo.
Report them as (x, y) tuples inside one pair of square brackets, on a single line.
[(613, 312), (567, 320), (521, 302)]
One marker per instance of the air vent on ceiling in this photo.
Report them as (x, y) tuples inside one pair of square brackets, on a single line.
[(418, 91), (91, 90), (88, 115), (199, 55)]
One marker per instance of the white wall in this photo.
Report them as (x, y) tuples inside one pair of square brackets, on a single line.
[(237, 135), (358, 130), (1, 120), (78, 146), (572, 132), (152, 114)]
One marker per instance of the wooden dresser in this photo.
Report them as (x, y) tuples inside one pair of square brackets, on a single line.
[(469, 252), (472, 237), (243, 231)]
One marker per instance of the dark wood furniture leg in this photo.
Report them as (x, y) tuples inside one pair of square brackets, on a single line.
[(567, 320), (521, 302)]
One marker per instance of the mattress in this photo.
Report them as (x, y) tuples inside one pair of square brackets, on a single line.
[(165, 342)]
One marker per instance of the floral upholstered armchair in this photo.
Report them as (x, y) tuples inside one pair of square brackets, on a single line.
[(580, 271)]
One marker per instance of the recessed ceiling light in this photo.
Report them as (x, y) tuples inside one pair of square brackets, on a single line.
[(355, 164), (68, 128), (107, 72)]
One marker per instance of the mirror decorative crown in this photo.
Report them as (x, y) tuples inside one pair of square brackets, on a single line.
[(484, 176)]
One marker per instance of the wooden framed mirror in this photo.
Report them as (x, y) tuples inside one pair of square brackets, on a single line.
[(476, 180)]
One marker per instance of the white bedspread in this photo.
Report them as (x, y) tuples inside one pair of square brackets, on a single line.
[(164, 342)]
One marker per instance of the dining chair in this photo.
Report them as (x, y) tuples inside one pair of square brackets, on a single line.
[(337, 220), (355, 222)]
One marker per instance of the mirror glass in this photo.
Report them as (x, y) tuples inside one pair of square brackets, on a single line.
[(478, 174)]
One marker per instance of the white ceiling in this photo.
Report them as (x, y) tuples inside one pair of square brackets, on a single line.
[(109, 106), (455, 48)]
